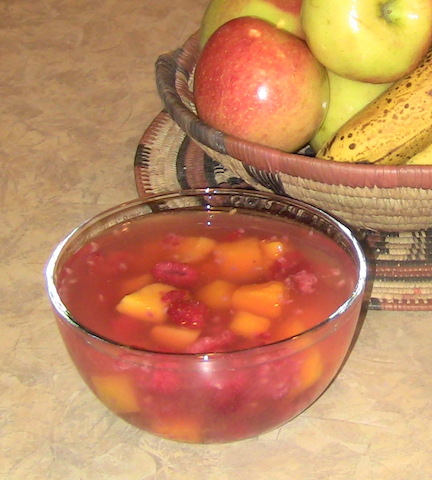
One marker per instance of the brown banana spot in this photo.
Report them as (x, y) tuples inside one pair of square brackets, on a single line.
[(408, 85), (429, 93), (352, 146)]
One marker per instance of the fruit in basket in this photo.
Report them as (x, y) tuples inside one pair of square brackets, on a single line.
[(373, 41), (392, 128), (347, 97), (424, 157), (284, 14), (259, 83)]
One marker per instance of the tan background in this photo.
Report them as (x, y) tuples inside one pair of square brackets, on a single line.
[(77, 91)]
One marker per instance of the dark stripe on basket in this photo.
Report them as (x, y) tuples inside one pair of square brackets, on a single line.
[(182, 176), (141, 164), (267, 179)]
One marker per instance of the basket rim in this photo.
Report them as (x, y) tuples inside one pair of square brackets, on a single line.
[(173, 71)]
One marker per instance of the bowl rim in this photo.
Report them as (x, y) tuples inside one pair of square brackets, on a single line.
[(61, 311), (173, 72)]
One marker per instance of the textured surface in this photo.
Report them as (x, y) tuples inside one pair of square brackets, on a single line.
[(77, 89)]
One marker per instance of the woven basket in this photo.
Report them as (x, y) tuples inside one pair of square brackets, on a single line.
[(383, 198), (389, 207)]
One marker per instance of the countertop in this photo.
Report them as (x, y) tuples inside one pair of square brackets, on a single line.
[(77, 92)]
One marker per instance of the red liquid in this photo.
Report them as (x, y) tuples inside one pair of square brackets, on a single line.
[(228, 396)]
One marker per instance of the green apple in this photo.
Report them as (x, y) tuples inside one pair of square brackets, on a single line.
[(375, 41), (347, 97), (284, 14), (259, 83)]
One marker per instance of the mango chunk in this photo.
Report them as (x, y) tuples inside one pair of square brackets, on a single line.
[(240, 261), (311, 369), (217, 294), (289, 328), (249, 325), (174, 337), (116, 392), (135, 283), (146, 304), (272, 250), (192, 249), (263, 299), (180, 428)]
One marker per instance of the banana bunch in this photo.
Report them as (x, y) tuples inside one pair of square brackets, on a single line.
[(394, 129)]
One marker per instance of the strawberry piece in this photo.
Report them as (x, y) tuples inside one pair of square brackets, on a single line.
[(177, 274)]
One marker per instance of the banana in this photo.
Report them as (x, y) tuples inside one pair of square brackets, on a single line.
[(392, 128), (424, 157)]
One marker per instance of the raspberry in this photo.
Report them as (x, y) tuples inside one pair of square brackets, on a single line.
[(305, 281), (164, 381), (177, 274), (188, 313), (289, 264), (218, 342), (175, 296)]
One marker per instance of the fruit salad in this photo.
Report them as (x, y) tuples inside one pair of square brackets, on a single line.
[(185, 319)]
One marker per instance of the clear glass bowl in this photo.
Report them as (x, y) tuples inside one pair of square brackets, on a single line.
[(214, 397)]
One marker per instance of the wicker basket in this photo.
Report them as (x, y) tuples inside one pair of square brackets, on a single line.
[(390, 206), (385, 198)]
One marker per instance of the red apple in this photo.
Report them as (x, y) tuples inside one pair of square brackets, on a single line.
[(262, 84)]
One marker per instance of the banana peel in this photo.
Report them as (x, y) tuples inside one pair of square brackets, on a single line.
[(422, 158), (391, 129)]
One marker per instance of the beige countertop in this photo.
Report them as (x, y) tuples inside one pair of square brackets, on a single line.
[(77, 92)]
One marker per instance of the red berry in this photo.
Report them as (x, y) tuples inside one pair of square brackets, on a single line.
[(289, 264), (177, 274), (164, 381), (305, 281), (218, 342), (175, 296), (188, 313)]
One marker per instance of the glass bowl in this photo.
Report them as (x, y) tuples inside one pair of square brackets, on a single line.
[(205, 394)]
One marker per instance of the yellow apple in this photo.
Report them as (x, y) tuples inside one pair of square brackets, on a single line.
[(284, 14), (347, 97), (373, 41)]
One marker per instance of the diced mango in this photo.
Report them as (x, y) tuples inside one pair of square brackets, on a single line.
[(263, 299), (174, 337), (116, 392), (180, 428), (249, 325), (135, 283), (311, 368), (217, 294), (146, 304), (239, 261), (288, 328), (192, 249), (272, 250)]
